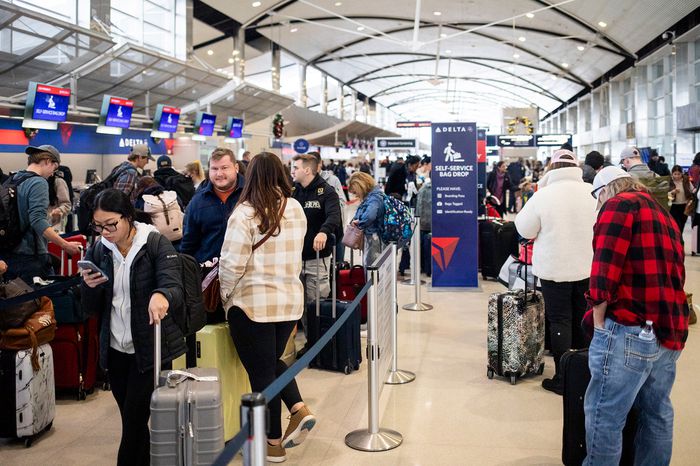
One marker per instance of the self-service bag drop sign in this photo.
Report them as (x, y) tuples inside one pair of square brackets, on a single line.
[(50, 103)]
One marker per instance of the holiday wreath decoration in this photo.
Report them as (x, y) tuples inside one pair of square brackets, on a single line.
[(517, 121)]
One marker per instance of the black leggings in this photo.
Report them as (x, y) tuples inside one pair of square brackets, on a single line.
[(260, 346), (132, 390), (564, 306), (678, 214)]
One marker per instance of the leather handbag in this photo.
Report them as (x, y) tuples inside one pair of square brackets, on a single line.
[(353, 237), (690, 207), (211, 289), (14, 316), (38, 329)]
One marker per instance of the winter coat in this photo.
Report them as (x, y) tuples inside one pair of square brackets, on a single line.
[(370, 212), (322, 209), (147, 276), (560, 217)]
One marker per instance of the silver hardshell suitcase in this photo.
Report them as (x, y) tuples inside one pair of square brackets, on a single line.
[(187, 422)]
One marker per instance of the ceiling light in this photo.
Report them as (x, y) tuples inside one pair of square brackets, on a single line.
[(293, 30), (530, 15), (210, 52), (565, 65), (360, 28), (554, 78), (515, 55), (236, 59), (448, 51), (338, 3), (581, 48), (272, 69), (437, 13), (443, 35), (522, 39), (235, 52), (256, 4), (230, 60), (602, 24)]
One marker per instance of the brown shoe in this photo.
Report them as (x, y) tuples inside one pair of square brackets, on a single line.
[(300, 423), (276, 453)]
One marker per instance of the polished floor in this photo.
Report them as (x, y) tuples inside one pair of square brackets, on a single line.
[(450, 415)]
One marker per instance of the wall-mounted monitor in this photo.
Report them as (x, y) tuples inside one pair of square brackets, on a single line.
[(46, 103), (166, 119), (235, 128), (116, 112), (204, 124)]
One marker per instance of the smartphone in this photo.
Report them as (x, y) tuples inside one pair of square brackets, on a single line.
[(89, 265)]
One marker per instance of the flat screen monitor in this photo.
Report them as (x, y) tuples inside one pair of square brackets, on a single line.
[(47, 103), (204, 124), (166, 118), (235, 127), (116, 112), (91, 176)]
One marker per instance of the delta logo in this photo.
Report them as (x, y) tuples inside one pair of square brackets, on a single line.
[(454, 129), (442, 251)]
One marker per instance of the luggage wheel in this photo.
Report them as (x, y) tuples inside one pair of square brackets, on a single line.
[(540, 370), (513, 379), (81, 395), (347, 370), (28, 442), (489, 373)]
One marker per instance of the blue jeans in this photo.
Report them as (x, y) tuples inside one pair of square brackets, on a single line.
[(625, 372)]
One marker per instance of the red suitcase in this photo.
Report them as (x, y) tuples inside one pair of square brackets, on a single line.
[(69, 264), (350, 282), (76, 356)]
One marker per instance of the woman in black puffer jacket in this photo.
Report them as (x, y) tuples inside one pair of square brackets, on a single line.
[(142, 286)]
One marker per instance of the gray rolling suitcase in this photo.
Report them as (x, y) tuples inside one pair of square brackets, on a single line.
[(515, 335), (187, 421)]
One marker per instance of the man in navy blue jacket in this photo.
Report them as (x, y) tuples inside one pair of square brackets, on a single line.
[(209, 209)]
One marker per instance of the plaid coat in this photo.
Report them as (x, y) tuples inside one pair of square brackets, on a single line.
[(638, 267), (264, 283)]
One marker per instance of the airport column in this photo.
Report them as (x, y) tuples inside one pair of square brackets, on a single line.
[(324, 94), (276, 62), (303, 96), (239, 54), (341, 95)]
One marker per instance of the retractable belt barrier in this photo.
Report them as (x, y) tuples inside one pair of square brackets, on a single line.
[(248, 427), (48, 290)]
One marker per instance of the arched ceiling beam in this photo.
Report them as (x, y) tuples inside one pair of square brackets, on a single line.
[(585, 24), (432, 58), (434, 95), (386, 91), (431, 76)]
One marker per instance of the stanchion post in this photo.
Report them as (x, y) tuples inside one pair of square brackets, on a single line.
[(374, 438), (253, 409), (396, 376), (413, 275), (417, 305)]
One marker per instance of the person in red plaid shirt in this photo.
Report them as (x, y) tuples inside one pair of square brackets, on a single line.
[(637, 276)]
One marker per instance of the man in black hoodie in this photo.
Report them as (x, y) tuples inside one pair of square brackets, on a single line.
[(322, 208), (173, 180)]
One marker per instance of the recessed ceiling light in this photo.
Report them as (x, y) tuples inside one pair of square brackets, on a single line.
[(236, 59), (448, 51), (256, 4), (230, 60), (515, 55), (235, 52), (338, 3), (565, 65), (293, 30), (522, 39), (554, 78), (210, 52), (437, 13), (581, 48), (602, 24), (530, 15), (443, 35), (360, 28), (272, 69)]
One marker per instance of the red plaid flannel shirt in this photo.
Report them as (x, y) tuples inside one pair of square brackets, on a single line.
[(638, 267)]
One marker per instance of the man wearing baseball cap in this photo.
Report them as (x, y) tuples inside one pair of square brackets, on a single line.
[(173, 180), (31, 257), (658, 186), (129, 171), (640, 321)]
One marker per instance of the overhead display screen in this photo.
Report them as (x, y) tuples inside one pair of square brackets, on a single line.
[(166, 118), (47, 102), (235, 127), (204, 125), (116, 112)]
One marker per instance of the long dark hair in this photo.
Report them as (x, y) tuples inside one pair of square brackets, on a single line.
[(113, 200), (53, 195), (266, 184)]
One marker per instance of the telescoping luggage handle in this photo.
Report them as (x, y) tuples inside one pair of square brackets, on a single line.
[(525, 242), (331, 237), (174, 377)]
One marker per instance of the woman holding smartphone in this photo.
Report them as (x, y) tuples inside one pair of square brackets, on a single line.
[(142, 284)]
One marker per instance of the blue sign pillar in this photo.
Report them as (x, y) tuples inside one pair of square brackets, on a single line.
[(454, 178)]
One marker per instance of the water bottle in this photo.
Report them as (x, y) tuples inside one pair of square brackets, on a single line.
[(647, 332)]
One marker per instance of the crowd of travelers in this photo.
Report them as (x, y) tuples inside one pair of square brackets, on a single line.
[(608, 249)]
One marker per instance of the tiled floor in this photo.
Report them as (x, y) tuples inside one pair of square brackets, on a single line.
[(450, 415)]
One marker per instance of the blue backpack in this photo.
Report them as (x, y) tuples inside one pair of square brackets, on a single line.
[(397, 222)]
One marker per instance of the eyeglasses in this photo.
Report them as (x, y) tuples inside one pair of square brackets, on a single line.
[(108, 227), (596, 192)]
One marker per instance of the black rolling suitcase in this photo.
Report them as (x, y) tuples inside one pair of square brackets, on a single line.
[(342, 353), (576, 376), (498, 239)]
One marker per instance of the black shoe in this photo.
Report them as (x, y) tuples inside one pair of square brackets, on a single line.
[(554, 385)]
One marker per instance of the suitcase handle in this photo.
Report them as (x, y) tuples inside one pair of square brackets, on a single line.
[(334, 292), (156, 354), (176, 377)]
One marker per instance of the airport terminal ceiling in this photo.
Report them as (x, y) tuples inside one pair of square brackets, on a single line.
[(435, 58)]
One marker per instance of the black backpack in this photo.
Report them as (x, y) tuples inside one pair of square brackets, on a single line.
[(182, 185), (11, 232), (86, 203), (192, 315)]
